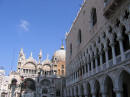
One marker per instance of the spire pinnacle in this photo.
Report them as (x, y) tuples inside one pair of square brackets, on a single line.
[(62, 46), (40, 54), (47, 56), (21, 52), (31, 54)]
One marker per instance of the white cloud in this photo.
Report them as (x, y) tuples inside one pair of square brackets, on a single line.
[(24, 25)]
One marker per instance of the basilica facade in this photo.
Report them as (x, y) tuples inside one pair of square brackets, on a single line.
[(42, 78), (98, 50)]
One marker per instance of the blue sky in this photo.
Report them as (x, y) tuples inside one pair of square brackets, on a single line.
[(33, 25)]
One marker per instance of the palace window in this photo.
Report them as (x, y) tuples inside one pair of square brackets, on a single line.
[(62, 66), (71, 49), (93, 16), (126, 44), (62, 72), (126, 15), (98, 57), (58, 71), (79, 36), (117, 45), (86, 67)]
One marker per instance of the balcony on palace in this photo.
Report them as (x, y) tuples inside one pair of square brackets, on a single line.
[(101, 68), (110, 6)]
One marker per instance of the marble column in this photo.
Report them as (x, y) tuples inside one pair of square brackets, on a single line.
[(75, 76), (79, 91), (88, 69), (91, 66), (103, 91), (101, 60), (96, 64), (93, 94), (122, 50), (104, 94), (118, 92), (93, 91), (106, 56), (85, 90), (113, 53)]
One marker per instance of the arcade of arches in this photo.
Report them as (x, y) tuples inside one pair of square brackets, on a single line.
[(106, 86)]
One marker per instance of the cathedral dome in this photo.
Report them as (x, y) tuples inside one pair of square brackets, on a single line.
[(47, 61), (59, 55), (30, 63), (31, 59), (46, 65)]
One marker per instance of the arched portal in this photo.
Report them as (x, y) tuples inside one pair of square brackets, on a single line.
[(108, 87), (124, 83), (28, 88), (29, 84), (13, 86)]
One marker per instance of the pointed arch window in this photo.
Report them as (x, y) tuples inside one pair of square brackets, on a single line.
[(79, 36), (71, 49), (93, 16)]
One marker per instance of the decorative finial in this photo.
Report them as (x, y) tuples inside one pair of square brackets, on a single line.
[(31, 54), (47, 57), (21, 52), (62, 46), (21, 55), (40, 54)]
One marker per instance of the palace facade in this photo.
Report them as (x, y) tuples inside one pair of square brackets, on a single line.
[(98, 50)]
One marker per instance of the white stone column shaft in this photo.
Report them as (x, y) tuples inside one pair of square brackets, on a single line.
[(113, 54), (122, 50), (91, 66), (88, 69), (118, 92), (104, 95), (94, 95), (106, 56), (85, 88), (129, 38), (96, 64)]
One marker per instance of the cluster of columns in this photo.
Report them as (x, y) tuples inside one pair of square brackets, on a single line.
[(104, 50), (28, 71)]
